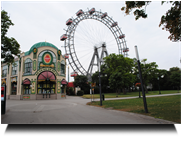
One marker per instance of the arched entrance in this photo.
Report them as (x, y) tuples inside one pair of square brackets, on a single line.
[(46, 83)]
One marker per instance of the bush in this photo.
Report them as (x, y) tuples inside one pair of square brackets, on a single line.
[(71, 91), (80, 93)]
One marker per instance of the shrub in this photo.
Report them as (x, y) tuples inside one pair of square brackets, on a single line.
[(71, 91), (80, 93)]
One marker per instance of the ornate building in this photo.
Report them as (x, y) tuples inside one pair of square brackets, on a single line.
[(37, 74)]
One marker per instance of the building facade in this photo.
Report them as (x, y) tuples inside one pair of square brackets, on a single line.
[(36, 74)]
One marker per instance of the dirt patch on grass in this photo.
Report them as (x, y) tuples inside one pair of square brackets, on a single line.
[(109, 108), (127, 110), (91, 104)]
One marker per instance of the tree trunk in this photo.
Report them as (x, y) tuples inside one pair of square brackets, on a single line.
[(146, 90), (145, 86), (119, 91), (129, 89), (124, 92), (116, 92)]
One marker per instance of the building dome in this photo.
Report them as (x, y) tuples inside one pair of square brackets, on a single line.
[(40, 44)]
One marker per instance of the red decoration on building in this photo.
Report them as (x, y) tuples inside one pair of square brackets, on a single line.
[(47, 58), (46, 75)]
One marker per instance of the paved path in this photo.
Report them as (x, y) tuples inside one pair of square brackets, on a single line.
[(138, 96), (72, 110)]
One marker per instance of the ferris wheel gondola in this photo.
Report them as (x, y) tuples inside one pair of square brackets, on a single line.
[(74, 74), (63, 37), (79, 12), (69, 21)]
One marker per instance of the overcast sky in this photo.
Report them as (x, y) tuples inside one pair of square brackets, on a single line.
[(45, 21)]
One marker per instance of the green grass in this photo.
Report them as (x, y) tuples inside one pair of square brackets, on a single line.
[(166, 107), (130, 94)]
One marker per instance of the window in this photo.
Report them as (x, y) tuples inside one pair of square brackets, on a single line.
[(46, 87), (28, 66), (13, 88), (15, 68), (62, 67), (4, 71), (26, 89)]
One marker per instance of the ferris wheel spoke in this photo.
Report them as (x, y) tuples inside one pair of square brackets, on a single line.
[(84, 38), (86, 32), (91, 32)]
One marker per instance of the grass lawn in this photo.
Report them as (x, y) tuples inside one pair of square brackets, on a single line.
[(166, 107), (130, 94)]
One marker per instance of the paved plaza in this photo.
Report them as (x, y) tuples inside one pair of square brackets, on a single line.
[(72, 110)]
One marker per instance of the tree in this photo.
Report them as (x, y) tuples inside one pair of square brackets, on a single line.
[(119, 68), (149, 71), (82, 82), (120, 80), (175, 77), (7, 44), (175, 69), (176, 80), (171, 21), (167, 81)]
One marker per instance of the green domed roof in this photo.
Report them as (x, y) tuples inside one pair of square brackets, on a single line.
[(40, 44)]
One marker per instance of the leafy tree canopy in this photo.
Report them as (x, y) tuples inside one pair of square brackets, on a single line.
[(175, 69), (171, 21), (7, 44), (176, 79), (119, 68)]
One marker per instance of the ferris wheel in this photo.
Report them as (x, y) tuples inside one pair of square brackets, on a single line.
[(89, 36)]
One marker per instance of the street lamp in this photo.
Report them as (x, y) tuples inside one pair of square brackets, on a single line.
[(158, 78), (140, 73), (158, 85), (100, 85)]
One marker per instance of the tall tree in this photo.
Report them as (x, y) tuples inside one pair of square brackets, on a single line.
[(176, 80), (149, 71), (9, 46), (175, 77), (171, 21)]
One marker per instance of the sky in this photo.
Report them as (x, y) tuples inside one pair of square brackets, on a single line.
[(45, 21)]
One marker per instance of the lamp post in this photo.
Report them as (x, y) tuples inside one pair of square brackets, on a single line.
[(140, 73), (158, 78), (158, 85), (100, 86)]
